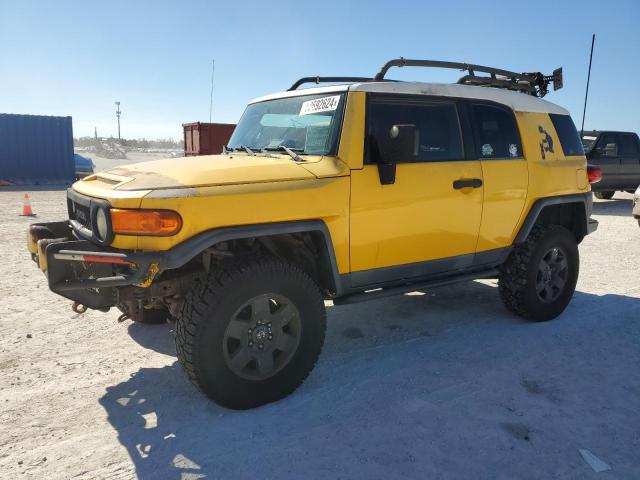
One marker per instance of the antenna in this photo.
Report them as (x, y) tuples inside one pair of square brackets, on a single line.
[(584, 111), (213, 69)]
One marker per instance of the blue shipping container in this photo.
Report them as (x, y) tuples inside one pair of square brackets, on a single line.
[(36, 150)]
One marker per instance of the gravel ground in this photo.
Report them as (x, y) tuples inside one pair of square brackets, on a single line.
[(442, 384)]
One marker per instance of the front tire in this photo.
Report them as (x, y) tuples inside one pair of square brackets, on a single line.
[(251, 331), (538, 279), (605, 195)]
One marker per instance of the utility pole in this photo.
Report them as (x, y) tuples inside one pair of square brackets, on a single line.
[(118, 112), (213, 68)]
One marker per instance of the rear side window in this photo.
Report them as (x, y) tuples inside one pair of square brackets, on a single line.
[(567, 133), (437, 126), (496, 133), (607, 139), (628, 144)]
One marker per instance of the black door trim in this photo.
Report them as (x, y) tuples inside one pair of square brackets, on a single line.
[(420, 271)]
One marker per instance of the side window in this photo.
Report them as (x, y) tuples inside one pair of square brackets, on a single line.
[(610, 140), (496, 132), (628, 144), (567, 133), (437, 128)]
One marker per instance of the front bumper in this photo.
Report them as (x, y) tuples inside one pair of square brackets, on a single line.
[(84, 272)]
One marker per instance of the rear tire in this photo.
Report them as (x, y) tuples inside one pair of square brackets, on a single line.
[(538, 279), (251, 331), (605, 195)]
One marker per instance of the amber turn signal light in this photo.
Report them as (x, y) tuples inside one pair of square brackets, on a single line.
[(160, 223)]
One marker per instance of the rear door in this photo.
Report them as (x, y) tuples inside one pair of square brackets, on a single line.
[(629, 152), (505, 174), (606, 154)]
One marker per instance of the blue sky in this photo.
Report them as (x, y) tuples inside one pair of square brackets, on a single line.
[(78, 57)]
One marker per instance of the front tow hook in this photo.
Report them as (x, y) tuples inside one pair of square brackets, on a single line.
[(78, 308)]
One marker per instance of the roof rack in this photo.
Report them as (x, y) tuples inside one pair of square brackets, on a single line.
[(533, 83), (318, 80)]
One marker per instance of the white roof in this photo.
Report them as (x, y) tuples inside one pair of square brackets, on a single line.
[(519, 102), (304, 91)]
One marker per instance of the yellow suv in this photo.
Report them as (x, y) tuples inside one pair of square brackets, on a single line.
[(348, 192)]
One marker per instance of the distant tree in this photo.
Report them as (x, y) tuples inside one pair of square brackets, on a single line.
[(129, 143)]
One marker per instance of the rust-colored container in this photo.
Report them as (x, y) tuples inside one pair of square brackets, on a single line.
[(206, 138)]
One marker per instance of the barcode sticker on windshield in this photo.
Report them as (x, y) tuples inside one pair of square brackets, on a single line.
[(324, 104)]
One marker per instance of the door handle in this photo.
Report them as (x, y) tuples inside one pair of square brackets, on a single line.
[(467, 182)]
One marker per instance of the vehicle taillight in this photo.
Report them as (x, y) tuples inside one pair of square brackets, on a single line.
[(594, 173)]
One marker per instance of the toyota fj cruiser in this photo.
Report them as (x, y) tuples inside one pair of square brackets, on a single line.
[(346, 192)]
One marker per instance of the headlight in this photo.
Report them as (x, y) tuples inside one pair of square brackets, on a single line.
[(102, 225)]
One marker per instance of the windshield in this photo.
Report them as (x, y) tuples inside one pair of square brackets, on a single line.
[(587, 142), (308, 124)]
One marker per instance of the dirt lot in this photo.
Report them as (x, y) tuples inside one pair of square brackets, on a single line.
[(443, 384)]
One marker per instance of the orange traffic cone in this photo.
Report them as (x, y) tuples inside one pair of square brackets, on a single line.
[(26, 207)]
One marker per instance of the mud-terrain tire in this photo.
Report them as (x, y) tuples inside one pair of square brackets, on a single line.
[(243, 305), (539, 277), (606, 195)]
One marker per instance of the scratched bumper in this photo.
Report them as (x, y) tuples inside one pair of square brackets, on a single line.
[(84, 272)]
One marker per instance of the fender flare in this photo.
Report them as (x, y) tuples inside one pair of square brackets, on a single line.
[(190, 248), (540, 204)]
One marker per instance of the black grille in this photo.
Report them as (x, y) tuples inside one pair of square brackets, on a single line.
[(82, 215)]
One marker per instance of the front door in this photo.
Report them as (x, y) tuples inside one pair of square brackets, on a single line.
[(427, 222)]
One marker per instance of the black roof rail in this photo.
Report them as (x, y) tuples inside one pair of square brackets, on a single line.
[(318, 80), (534, 83)]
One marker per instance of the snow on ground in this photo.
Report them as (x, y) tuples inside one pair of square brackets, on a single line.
[(443, 384)]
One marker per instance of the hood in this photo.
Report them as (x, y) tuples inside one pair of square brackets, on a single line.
[(206, 170)]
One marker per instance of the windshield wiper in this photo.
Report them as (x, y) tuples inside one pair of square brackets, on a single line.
[(239, 148), (291, 151)]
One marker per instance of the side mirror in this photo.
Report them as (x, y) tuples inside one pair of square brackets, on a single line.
[(611, 150), (401, 144)]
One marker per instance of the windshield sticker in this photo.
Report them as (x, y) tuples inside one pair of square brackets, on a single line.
[(513, 150), (487, 150), (324, 104), (316, 139), (587, 137)]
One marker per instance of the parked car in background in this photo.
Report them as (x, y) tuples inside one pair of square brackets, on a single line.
[(636, 205), (618, 154), (84, 166)]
